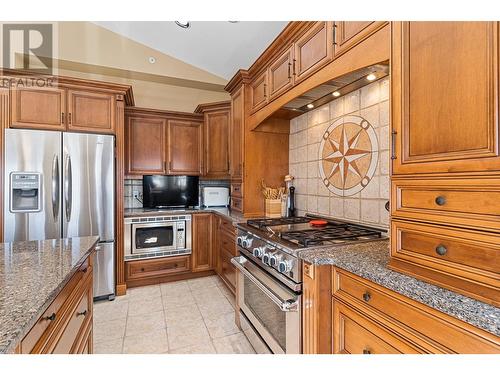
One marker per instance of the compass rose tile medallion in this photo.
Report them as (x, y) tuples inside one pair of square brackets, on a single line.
[(348, 155)]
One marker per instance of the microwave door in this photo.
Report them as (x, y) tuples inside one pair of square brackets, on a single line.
[(32, 214), (153, 237), (88, 186)]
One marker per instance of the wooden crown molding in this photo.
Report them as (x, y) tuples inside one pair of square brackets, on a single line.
[(241, 77), (138, 111), (69, 82), (216, 106)]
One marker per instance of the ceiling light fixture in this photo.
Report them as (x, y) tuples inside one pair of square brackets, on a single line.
[(152, 60), (371, 77), (183, 24), (233, 21), (310, 106), (336, 94)]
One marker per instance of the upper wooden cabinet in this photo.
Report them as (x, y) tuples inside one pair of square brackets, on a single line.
[(236, 133), (64, 109), (216, 119), (90, 111), (145, 142), (445, 97), (313, 50), (258, 92), (349, 33), (280, 74), (42, 109), (184, 150)]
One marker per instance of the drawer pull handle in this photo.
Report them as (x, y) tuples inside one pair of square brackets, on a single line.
[(142, 269), (366, 296), (84, 313), (441, 250), (440, 201), (366, 351), (51, 317)]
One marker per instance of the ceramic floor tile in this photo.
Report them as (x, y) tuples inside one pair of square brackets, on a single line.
[(113, 329), (201, 283), (222, 325), (182, 313), (145, 323), (144, 292), (175, 301), (110, 310), (206, 348), (108, 347), (175, 288), (182, 334), (145, 306), (209, 295), (234, 344), (147, 343), (212, 310)]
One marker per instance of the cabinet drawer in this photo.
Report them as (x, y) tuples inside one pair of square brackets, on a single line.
[(227, 226), (237, 204), (237, 190), (228, 243), (468, 202), (228, 272), (80, 315), (45, 327), (438, 332), (139, 269), (470, 259), (354, 333)]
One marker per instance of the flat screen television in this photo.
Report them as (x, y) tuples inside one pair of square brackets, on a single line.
[(170, 191)]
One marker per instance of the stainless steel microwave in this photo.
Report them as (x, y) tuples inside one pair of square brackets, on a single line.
[(157, 236)]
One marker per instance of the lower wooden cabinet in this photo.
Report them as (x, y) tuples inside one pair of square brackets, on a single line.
[(225, 242), (66, 326), (202, 254), (359, 316), (142, 270)]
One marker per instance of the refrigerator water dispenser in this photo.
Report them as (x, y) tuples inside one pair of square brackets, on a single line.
[(25, 195)]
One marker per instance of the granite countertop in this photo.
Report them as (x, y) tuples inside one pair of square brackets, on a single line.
[(235, 217), (369, 260), (32, 273)]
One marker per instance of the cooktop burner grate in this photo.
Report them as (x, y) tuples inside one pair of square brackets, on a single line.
[(330, 235), (263, 223)]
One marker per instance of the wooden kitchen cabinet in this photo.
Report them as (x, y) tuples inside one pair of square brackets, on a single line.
[(280, 74), (91, 112), (258, 92), (203, 247), (313, 50), (185, 147), (225, 242), (145, 142), (236, 134), (216, 123), (64, 110), (445, 97), (149, 271), (349, 33), (37, 108)]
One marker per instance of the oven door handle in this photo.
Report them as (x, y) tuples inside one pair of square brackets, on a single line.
[(286, 306)]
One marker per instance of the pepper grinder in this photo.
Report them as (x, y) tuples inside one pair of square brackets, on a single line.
[(291, 202)]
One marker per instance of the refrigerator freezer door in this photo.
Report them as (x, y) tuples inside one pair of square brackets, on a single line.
[(33, 151), (104, 265), (88, 186)]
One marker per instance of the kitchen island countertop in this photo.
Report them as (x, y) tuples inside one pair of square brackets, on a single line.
[(369, 260), (32, 274)]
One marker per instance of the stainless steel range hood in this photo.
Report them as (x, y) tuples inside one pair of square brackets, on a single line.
[(335, 88)]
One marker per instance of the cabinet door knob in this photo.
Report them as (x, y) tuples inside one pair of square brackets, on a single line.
[(441, 249), (51, 317), (84, 313), (366, 351), (366, 296), (440, 200)]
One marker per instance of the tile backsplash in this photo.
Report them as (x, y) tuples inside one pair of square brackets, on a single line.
[(353, 157), (132, 185)]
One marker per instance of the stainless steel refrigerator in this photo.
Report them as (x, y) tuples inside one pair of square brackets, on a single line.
[(60, 185)]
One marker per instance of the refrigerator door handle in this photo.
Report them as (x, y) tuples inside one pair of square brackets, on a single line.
[(68, 182), (55, 187)]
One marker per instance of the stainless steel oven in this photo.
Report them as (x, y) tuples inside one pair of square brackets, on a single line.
[(157, 236), (269, 309)]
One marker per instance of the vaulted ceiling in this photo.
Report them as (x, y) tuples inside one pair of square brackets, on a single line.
[(218, 47)]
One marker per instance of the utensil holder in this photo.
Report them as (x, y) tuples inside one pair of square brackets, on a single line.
[(273, 208)]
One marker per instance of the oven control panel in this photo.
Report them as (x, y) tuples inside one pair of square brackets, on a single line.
[(181, 234), (269, 255)]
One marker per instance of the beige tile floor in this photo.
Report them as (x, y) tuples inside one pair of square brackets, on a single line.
[(183, 317)]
